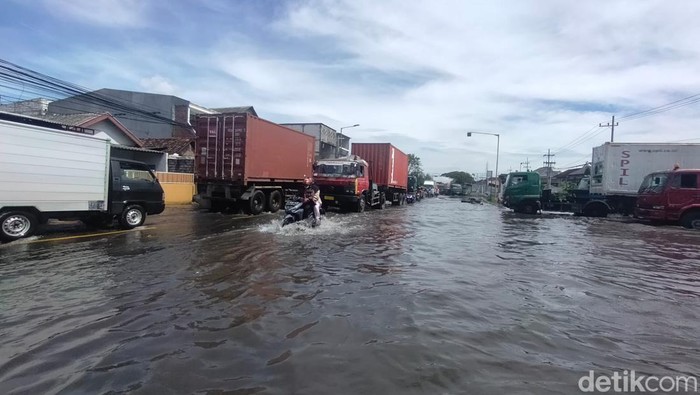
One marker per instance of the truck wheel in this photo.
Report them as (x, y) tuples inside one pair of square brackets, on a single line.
[(132, 216), (691, 220), (257, 203), (360, 206), (529, 208), (595, 210), (17, 224), (274, 201)]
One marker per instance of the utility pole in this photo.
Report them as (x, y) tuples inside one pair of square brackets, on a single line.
[(526, 163), (610, 125), (548, 163)]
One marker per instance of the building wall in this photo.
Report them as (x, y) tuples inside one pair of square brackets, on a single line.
[(107, 129), (177, 188), (162, 105)]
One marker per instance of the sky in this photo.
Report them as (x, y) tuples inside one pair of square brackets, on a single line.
[(420, 75)]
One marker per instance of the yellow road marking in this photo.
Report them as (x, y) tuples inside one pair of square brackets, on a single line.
[(116, 232)]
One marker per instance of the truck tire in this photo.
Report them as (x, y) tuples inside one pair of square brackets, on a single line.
[(274, 201), (595, 210), (529, 208), (17, 224), (132, 216), (691, 220), (256, 203), (360, 205)]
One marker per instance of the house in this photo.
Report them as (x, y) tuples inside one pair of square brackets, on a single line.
[(329, 143), (180, 152), (571, 177), (146, 115)]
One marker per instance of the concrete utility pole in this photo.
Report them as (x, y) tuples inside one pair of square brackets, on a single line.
[(610, 125), (526, 163), (548, 163)]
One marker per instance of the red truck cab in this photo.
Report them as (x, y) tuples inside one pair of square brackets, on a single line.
[(671, 196), (344, 182)]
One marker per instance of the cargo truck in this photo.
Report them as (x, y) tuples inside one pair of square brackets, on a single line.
[(53, 171), (617, 172), (248, 163), (371, 176), (671, 196)]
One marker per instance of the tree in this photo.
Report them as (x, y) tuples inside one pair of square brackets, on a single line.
[(460, 177), (414, 165)]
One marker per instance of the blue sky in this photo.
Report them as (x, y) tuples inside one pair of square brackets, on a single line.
[(540, 73)]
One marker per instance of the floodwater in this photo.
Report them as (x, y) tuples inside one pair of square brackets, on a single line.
[(441, 297)]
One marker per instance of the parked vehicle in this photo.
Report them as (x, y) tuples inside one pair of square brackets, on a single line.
[(373, 175), (456, 189), (52, 171), (618, 170), (246, 162), (523, 192), (672, 196)]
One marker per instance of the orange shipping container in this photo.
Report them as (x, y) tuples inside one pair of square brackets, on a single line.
[(388, 165)]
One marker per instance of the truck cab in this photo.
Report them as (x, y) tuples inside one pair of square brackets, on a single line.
[(522, 192), (672, 196), (344, 183)]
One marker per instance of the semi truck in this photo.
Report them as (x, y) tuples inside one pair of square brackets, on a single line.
[(245, 162), (53, 171), (617, 172), (374, 173)]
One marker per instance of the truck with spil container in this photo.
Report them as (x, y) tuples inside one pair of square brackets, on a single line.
[(245, 162), (617, 172), (54, 171), (374, 174)]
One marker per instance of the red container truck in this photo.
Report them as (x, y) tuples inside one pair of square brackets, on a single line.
[(247, 162), (371, 176)]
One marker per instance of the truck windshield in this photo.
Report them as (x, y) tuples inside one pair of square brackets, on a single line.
[(336, 169), (654, 183)]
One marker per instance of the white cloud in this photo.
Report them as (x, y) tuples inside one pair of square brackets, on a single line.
[(158, 84), (107, 13)]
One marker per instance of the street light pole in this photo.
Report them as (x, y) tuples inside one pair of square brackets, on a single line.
[(341, 132), (498, 149), (348, 127)]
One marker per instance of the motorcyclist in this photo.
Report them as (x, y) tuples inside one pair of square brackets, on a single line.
[(312, 195)]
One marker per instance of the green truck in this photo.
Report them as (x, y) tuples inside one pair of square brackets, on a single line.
[(522, 192)]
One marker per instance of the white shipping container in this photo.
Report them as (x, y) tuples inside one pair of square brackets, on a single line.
[(619, 168), (52, 170)]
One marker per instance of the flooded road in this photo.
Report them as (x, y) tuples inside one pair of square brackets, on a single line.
[(439, 298)]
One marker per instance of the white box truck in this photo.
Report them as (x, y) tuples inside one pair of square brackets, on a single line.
[(617, 172), (48, 171)]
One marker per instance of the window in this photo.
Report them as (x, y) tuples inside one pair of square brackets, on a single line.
[(135, 172), (689, 181)]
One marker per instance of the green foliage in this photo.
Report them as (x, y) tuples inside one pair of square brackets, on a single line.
[(460, 177), (415, 169)]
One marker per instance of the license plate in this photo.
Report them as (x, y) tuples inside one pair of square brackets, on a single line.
[(328, 198)]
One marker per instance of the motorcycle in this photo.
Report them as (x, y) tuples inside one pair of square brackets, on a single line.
[(303, 211), (410, 198)]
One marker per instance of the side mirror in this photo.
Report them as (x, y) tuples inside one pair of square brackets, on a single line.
[(314, 166)]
